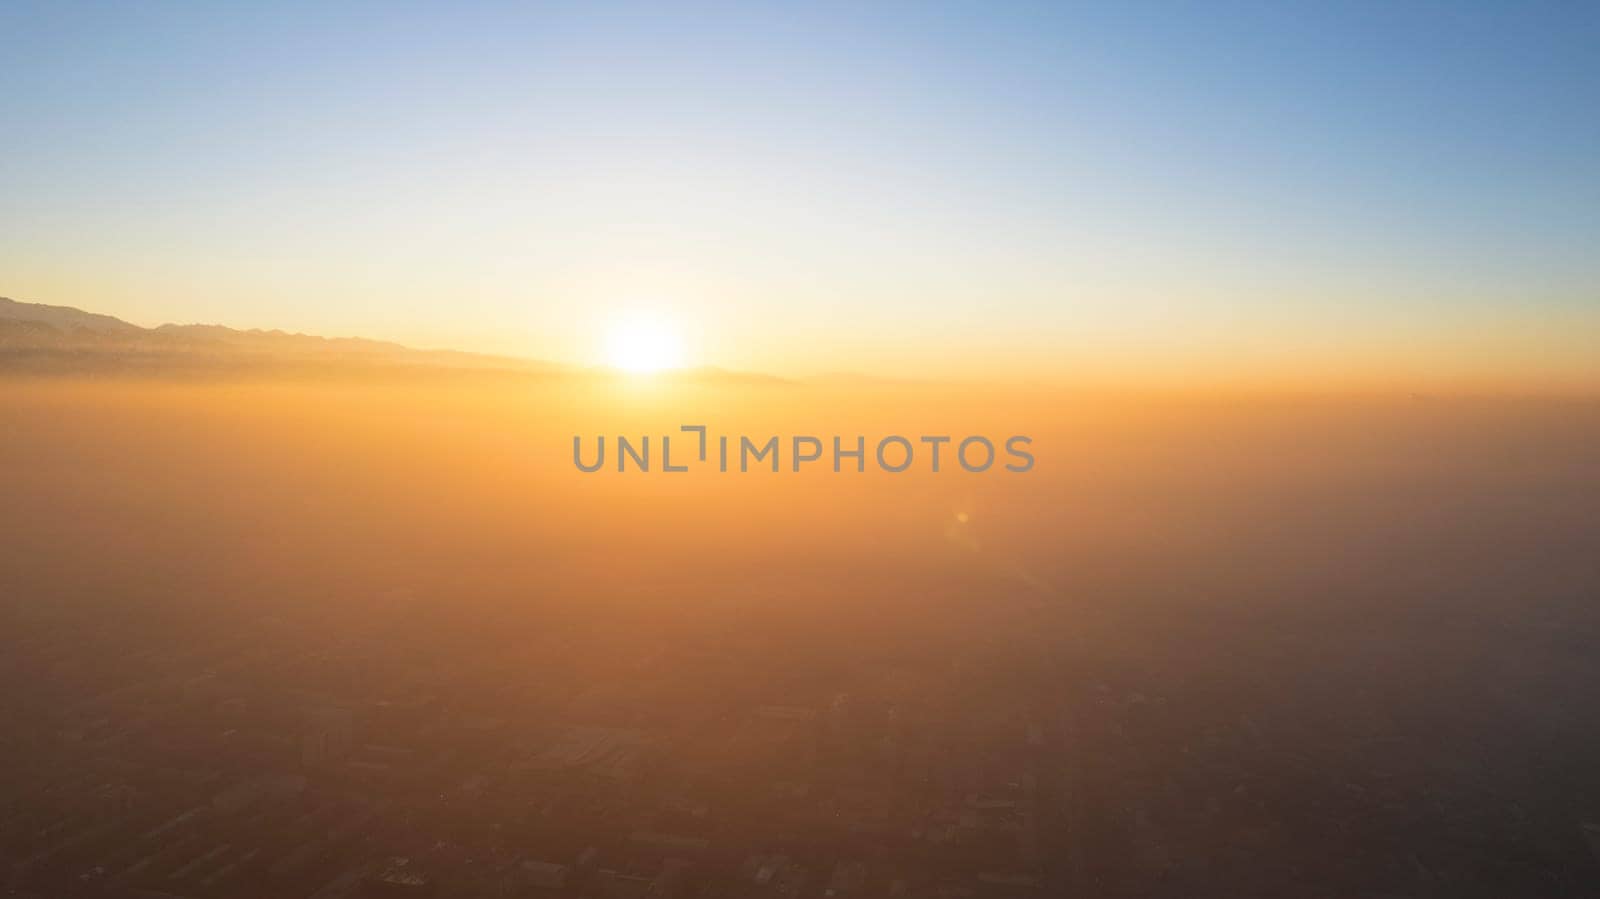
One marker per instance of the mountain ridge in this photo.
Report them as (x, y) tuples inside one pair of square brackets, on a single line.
[(42, 339)]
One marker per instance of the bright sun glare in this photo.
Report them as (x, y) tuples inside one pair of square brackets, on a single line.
[(643, 344)]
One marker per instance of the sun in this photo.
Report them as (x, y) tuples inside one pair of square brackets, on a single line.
[(643, 344)]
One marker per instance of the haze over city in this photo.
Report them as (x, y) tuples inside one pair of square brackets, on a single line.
[(334, 565)]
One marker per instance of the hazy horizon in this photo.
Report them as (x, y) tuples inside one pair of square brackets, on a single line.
[(1174, 377)]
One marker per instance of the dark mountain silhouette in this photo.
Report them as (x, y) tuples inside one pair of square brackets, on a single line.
[(64, 318), (40, 339)]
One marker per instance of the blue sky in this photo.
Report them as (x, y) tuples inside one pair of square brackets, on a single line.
[(814, 186)]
